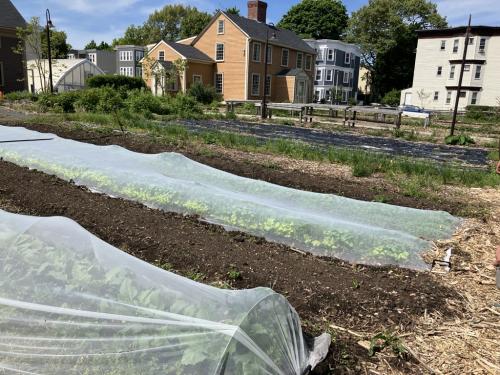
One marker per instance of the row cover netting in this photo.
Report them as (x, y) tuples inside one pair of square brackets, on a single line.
[(73, 304), (328, 225)]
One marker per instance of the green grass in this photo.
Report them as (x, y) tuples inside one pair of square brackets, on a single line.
[(417, 174)]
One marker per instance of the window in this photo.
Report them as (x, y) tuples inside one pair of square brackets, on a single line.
[(436, 95), (269, 59), (219, 52), (256, 52), (300, 60), (452, 72), (473, 99), (440, 71), (455, 45), (329, 75), (220, 27), (219, 83), (347, 59), (139, 55), (316, 95), (308, 62), (471, 41), (284, 56), (138, 71), (197, 78), (448, 97), (443, 45), (463, 94), (319, 74), (321, 54), (255, 84), (161, 55), (482, 45), (330, 55), (466, 68), (477, 75), (125, 55), (346, 78), (127, 71), (91, 57), (268, 86)]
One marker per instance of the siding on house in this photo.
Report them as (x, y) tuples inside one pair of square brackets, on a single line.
[(13, 71)]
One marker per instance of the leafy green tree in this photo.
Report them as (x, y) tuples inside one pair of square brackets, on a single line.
[(172, 22), (58, 44), (392, 98), (103, 46), (319, 19), (386, 32), (91, 45), (233, 10)]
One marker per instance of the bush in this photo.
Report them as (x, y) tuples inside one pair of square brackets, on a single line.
[(392, 98), (116, 82), (21, 95), (184, 106), (461, 140), (88, 100), (65, 101), (203, 94), (145, 103), (482, 113), (110, 100), (46, 101)]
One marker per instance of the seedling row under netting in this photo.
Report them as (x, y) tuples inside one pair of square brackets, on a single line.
[(329, 225), (73, 304)]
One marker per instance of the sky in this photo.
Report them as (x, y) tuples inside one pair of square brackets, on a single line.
[(84, 20)]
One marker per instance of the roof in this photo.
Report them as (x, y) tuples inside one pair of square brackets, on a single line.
[(290, 72), (10, 16), (62, 66), (164, 64), (459, 31), (189, 52), (258, 31)]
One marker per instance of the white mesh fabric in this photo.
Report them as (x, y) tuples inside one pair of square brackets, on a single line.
[(356, 231), (73, 304)]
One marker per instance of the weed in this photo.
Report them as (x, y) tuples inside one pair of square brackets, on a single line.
[(381, 198), (387, 340), (356, 284), (165, 266), (195, 276), (233, 273)]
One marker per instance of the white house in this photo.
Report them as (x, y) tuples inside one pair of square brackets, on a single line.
[(438, 63)]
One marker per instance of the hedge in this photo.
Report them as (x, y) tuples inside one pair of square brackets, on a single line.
[(116, 82)]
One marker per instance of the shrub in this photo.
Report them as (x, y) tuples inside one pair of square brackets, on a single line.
[(21, 95), (110, 100), (65, 101), (392, 98), (461, 140), (46, 101), (203, 94), (88, 100), (145, 103), (116, 82), (184, 106)]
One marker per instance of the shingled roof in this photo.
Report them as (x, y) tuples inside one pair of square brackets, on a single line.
[(258, 30), (10, 18), (189, 52)]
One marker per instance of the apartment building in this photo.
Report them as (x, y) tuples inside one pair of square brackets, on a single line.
[(104, 59), (128, 59), (230, 55), (336, 74), (12, 68), (438, 63)]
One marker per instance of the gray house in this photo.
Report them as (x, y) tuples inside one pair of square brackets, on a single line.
[(12, 66), (128, 59), (105, 60), (337, 70)]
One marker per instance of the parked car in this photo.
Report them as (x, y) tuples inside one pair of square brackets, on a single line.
[(413, 108)]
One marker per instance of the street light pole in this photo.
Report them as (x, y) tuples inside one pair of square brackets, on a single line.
[(49, 52), (459, 87), (263, 109)]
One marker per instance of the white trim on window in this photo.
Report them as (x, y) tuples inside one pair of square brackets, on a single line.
[(347, 59), (308, 66), (299, 66), (138, 71), (161, 55), (319, 75), (217, 52), (443, 45), (473, 98), (125, 55), (436, 96), (477, 73), (219, 90), (197, 78), (127, 71), (346, 75), (329, 75), (287, 56), (452, 72), (331, 54), (456, 44), (255, 85), (139, 55), (268, 87), (221, 28), (448, 97), (256, 52)]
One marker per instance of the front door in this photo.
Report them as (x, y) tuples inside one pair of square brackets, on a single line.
[(301, 91)]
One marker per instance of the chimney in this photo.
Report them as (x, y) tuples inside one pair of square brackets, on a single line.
[(257, 10)]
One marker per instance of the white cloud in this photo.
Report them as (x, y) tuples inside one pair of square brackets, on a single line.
[(484, 12)]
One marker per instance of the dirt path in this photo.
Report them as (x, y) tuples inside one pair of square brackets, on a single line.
[(323, 292)]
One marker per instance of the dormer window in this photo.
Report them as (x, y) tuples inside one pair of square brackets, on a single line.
[(220, 27), (161, 55), (347, 59)]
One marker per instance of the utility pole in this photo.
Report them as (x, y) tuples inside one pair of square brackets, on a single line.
[(460, 79), (49, 52)]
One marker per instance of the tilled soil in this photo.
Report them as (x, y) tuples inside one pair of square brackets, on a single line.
[(356, 188), (323, 291)]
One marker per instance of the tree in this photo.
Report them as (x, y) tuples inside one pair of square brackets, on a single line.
[(392, 98), (318, 19), (172, 22), (91, 45), (103, 46), (58, 45), (233, 10), (386, 32)]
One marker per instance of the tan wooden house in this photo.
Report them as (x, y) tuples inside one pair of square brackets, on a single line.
[(229, 54)]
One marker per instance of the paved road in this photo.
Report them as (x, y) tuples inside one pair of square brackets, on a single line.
[(476, 157)]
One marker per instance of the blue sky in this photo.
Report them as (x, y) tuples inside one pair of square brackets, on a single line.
[(84, 20)]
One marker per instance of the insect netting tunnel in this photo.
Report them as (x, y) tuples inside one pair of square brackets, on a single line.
[(323, 224), (73, 304)]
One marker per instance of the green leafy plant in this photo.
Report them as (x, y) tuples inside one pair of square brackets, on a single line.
[(233, 273), (461, 140), (116, 82), (203, 93), (387, 340)]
